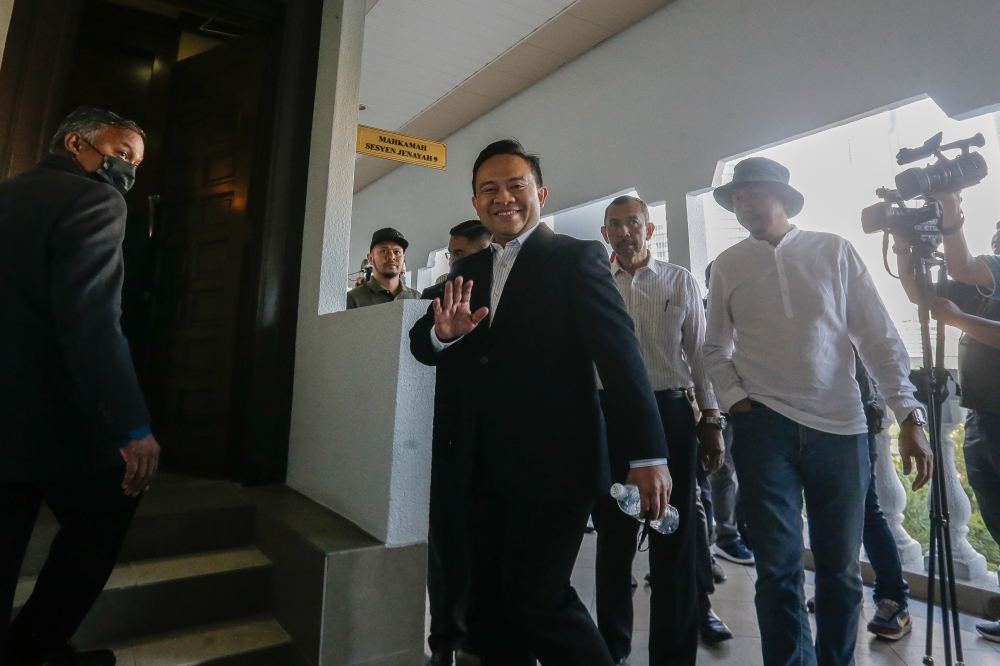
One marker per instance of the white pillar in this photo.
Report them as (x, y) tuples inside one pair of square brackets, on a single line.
[(361, 429), (6, 9), (330, 190), (892, 499), (969, 565)]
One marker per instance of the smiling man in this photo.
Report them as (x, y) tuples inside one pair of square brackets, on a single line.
[(784, 308), (520, 328)]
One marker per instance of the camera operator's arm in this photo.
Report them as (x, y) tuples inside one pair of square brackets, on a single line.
[(984, 330), (962, 265)]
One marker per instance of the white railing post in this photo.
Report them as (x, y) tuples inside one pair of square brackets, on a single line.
[(969, 565), (892, 498)]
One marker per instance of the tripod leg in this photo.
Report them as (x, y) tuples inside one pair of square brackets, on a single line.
[(946, 600), (956, 626), (931, 562)]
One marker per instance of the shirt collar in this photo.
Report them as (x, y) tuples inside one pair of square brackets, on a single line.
[(793, 232), (519, 241), (376, 287), (652, 265)]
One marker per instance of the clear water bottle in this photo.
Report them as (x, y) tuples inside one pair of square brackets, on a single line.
[(628, 500)]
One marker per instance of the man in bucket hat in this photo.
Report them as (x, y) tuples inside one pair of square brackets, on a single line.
[(784, 307)]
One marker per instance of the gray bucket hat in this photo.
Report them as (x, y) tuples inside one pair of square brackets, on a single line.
[(765, 171)]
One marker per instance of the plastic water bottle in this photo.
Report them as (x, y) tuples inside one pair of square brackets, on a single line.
[(628, 501)]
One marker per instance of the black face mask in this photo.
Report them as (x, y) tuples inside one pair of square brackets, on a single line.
[(117, 173)]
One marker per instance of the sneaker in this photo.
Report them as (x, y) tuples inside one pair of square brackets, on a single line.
[(989, 630), (891, 621), (718, 574), (735, 551)]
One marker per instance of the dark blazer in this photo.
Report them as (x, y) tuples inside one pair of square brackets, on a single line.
[(68, 391), (526, 384), (451, 461)]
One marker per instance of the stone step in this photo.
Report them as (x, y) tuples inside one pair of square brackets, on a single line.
[(177, 516), (254, 641), (154, 596)]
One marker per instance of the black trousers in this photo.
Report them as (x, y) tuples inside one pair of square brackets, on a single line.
[(448, 567), (523, 555), (703, 546), (94, 514), (673, 602)]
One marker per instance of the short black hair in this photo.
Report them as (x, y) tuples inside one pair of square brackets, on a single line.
[(625, 200), (88, 121), (472, 230), (508, 147)]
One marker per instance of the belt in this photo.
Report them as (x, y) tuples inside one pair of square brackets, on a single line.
[(677, 394)]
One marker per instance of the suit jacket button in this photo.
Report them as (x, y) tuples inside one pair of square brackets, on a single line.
[(484, 360)]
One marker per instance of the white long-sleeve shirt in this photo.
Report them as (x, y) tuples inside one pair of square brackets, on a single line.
[(665, 304), (781, 321)]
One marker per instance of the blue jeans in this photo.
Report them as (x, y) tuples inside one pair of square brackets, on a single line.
[(778, 461), (880, 544)]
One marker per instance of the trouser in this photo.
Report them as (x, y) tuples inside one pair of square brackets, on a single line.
[(880, 544), (703, 566), (779, 461), (94, 514), (448, 568), (982, 462), (724, 487), (524, 551), (673, 601)]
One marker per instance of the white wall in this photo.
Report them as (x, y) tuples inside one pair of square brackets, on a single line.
[(657, 106)]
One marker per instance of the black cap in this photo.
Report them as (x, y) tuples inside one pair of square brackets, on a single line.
[(388, 235)]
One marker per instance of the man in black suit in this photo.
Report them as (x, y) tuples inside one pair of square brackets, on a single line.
[(530, 414), (75, 427), (452, 618)]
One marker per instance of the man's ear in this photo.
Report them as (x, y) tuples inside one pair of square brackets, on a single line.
[(650, 228), (543, 193), (72, 143), (604, 232)]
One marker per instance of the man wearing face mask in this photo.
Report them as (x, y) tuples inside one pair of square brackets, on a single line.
[(75, 429)]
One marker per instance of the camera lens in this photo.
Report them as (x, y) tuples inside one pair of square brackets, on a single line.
[(914, 182)]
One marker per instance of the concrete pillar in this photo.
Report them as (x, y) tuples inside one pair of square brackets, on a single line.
[(362, 406), (892, 499), (6, 8), (330, 193), (361, 426)]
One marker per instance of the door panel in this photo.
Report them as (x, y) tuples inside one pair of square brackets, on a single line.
[(200, 241)]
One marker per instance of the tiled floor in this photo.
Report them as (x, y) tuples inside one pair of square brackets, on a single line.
[(733, 601)]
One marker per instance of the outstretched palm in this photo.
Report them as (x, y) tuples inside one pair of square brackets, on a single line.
[(452, 316)]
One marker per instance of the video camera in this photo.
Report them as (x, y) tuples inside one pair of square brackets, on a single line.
[(946, 175)]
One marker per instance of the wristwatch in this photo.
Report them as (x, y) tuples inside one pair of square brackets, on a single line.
[(719, 422), (918, 416)]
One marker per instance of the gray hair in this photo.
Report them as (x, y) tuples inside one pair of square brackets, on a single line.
[(625, 200), (88, 121)]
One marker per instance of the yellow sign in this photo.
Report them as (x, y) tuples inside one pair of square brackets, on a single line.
[(402, 148)]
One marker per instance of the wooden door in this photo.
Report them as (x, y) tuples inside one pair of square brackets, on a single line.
[(201, 234)]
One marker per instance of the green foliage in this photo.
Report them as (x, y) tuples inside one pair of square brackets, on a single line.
[(916, 520)]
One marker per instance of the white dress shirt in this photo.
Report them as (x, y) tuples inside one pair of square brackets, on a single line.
[(665, 304), (503, 263), (781, 321)]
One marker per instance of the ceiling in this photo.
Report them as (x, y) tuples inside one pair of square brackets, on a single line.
[(431, 67)]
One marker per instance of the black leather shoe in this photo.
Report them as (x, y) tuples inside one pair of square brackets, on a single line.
[(444, 658), (718, 574), (70, 657), (712, 629)]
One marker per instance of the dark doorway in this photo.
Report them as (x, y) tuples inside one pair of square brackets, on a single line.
[(223, 89)]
